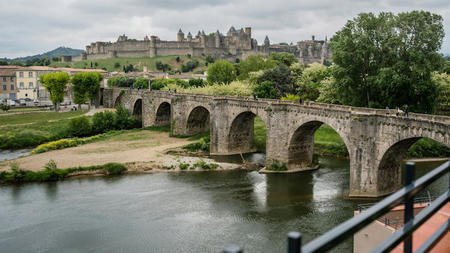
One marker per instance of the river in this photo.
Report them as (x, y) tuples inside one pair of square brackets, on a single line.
[(179, 212)]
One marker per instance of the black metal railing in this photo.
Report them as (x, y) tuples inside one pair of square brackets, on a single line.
[(406, 194)]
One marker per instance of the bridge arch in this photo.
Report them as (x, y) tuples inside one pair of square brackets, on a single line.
[(198, 120), (118, 101), (389, 173), (163, 114), (301, 144), (241, 133), (137, 109)]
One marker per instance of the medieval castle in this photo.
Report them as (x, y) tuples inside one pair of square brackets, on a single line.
[(237, 43)]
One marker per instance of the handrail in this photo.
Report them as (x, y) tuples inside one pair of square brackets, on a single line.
[(335, 236)]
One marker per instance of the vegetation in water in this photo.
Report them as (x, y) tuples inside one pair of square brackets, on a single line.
[(277, 166)]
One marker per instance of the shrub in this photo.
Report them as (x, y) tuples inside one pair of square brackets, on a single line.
[(141, 82), (204, 165), (183, 166), (80, 127), (63, 143), (17, 174), (103, 122), (114, 169), (276, 166), (4, 107), (202, 144), (221, 71), (122, 118), (290, 97)]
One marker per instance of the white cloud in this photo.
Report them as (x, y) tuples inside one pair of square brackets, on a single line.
[(30, 27)]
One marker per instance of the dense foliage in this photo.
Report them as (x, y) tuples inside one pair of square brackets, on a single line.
[(221, 71), (387, 60), (56, 84)]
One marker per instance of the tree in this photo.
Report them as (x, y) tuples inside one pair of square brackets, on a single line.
[(141, 83), (3, 62), (221, 71), (283, 58), (55, 84), (328, 92), (253, 63), (387, 60), (265, 90), (281, 78), (443, 100), (309, 82), (79, 91), (86, 85)]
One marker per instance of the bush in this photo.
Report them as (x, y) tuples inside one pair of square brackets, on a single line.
[(114, 169), (196, 82), (183, 166), (189, 66), (80, 127), (236, 88), (202, 144), (4, 107), (290, 97), (103, 122), (204, 165), (123, 119), (64, 143), (23, 139), (221, 71), (141, 82), (265, 90), (276, 166)]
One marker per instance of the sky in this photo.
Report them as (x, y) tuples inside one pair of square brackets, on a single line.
[(29, 27)]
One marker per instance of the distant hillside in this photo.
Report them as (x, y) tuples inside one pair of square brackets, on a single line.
[(56, 52)]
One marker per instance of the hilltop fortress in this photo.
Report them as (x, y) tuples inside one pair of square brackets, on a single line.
[(237, 43)]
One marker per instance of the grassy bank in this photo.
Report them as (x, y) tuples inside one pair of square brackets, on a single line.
[(116, 64), (52, 173), (34, 128)]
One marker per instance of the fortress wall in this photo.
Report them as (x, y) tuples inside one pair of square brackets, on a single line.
[(173, 51), (76, 58), (130, 46), (97, 56), (140, 53), (176, 44)]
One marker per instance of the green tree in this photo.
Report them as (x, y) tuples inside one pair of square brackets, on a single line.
[(3, 62), (443, 99), (55, 84), (283, 58), (309, 82), (86, 85), (387, 60), (141, 82), (253, 63), (281, 78), (328, 92), (221, 71), (265, 90)]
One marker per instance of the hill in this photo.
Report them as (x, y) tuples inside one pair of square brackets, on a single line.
[(55, 52), (117, 64)]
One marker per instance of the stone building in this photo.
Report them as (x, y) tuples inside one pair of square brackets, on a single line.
[(236, 43), (8, 89)]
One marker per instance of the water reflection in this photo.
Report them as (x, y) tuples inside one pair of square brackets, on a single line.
[(178, 212)]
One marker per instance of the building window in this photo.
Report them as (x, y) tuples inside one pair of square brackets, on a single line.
[(4, 79), (21, 85), (4, 87), (20, 74), (12, 79), (30, 74), (30, 85), (12, 86)]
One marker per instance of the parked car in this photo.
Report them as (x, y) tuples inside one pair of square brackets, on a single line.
[(12, 102), (22, 101)]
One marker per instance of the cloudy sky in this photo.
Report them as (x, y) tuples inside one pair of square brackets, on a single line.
[(30, 27)]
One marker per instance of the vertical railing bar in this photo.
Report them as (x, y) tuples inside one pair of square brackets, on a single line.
[(294, 242), (409, 205)]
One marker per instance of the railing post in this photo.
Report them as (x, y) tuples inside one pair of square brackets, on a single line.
[(294, 242), (409, 205), (232, 249)]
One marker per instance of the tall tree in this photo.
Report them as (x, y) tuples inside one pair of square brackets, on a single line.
[(86, 85), (56, 84), (387, 60), (221, 71)]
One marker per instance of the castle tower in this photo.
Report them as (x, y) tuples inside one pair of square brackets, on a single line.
[(152, 51), (248, 31), (217, 38), (202, 39), (180, 35), (189, 37), (266, 41), (313, 38)]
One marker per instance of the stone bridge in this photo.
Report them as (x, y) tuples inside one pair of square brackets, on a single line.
[(377, 143)]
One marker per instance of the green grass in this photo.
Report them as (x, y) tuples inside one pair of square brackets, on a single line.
[(138, 63), (259, 138), (32, 129), (25, 109)]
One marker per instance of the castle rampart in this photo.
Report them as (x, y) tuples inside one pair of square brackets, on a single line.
[(237, 43)]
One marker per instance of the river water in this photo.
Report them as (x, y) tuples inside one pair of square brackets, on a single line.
[(179, 212)]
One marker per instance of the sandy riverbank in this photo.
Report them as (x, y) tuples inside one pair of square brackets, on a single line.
[(139, 151)]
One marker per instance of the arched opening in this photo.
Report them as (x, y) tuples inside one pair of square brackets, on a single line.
[(163, 115), (198, 121), (118, 101), (247, 134), (137, 109), (390, 166), (310, 138), (101, 96)]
